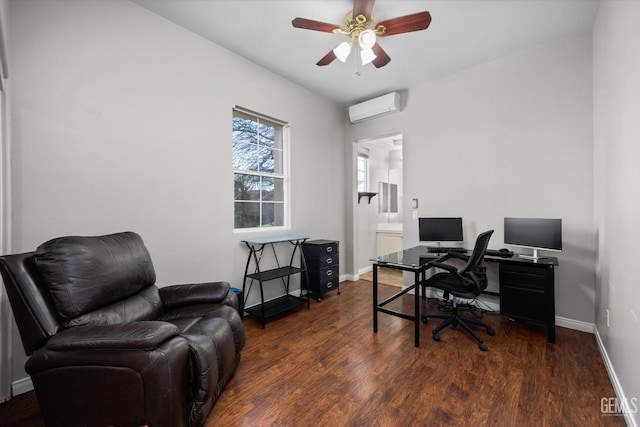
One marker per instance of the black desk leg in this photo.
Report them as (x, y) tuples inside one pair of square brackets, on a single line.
[(416, 299), (375, 297)]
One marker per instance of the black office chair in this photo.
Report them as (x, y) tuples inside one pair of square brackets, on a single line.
[(466, 282)]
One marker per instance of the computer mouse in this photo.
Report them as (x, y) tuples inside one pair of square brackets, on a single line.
[(504, 251)]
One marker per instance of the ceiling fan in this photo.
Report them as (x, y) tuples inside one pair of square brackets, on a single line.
[(359, 26)]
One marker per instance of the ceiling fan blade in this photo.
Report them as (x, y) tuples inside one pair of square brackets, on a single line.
[(405, 24), (363, 7), (327, 59), (382, 58), (309, 24)]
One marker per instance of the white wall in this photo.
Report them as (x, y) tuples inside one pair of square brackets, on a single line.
[(617, 174), (122, 121), (517, 133)]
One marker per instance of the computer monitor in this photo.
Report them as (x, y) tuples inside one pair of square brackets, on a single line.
[(440, 229), (533, 233)]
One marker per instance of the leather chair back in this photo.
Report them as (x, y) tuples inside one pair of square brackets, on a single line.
[(33, 309), (73, 281)]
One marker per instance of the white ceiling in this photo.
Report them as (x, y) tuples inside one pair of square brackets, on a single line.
[(462, 34)]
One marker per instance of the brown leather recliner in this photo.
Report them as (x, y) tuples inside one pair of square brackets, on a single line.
[(108, 347)]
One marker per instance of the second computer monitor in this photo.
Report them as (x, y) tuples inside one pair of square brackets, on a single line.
[(440, 229)]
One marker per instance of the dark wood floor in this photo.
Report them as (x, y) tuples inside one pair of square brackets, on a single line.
[(325, 366)]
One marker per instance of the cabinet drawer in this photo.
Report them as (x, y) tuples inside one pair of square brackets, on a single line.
[(531, 278), (323, 274), (327, 285), (315, 248), (522, 303), (316, 263)]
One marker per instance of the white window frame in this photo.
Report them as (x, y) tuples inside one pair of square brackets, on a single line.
[(284, 175), (365, 156)]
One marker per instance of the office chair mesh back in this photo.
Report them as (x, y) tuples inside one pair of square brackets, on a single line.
[(482, 241), (474, 272), (467, 282)]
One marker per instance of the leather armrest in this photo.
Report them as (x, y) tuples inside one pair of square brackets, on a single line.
[(146, 335), (197, 293)]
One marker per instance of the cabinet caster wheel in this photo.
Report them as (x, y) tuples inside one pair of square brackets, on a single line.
[(490, 331), (483, 346), (436, 337)]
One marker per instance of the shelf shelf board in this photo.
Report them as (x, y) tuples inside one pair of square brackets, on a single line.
[(276, 273), (276, 306)]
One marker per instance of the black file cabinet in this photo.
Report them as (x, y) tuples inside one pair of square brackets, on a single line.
[(527, 293), (322, 260)]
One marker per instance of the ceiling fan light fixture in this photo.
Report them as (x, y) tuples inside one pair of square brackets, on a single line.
[(342, 51), (366, 39), (367, 56)]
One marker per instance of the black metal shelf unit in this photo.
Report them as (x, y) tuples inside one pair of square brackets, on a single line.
[(286, 302)]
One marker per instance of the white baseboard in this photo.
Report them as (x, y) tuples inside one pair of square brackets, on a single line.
[(365, 270), (577, 325), (21, 386), (617, 387)]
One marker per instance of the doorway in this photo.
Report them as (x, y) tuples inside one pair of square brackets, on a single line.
[(379, 218)]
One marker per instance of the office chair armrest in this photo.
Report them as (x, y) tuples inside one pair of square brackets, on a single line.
[(450, 268), (458, 255)]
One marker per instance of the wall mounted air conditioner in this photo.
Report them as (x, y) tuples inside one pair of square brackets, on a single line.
[(376, 107)]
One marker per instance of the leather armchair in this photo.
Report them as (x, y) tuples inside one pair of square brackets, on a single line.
[(107, 346)]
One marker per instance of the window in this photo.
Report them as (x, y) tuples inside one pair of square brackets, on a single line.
[(259, 171), (363, 169)]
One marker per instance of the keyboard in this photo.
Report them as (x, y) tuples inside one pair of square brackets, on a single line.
[(498, 253), (443, 249)]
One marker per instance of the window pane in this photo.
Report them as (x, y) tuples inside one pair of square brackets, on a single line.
[(266, 135), (245, 155), (362, 173), (273, 189), (277, 167), (246, 187), (247, 215), (272, 214), (265, 157), (245, 130)]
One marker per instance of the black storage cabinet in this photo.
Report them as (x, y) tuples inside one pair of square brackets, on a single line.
[(322, 258), (527, 293)]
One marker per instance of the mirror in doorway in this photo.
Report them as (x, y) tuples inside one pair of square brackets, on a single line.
[(388, 201)]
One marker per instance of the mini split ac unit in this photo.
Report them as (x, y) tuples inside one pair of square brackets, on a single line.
[(376, 107)]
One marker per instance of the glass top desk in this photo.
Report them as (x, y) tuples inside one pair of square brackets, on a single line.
[(416, 260)]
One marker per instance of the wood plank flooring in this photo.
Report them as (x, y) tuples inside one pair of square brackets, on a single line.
[(386, 276), (326, 367)]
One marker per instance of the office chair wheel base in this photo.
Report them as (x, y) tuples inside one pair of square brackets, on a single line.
[(483, 346), (490, 331), (436, 337), (425, 319)]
